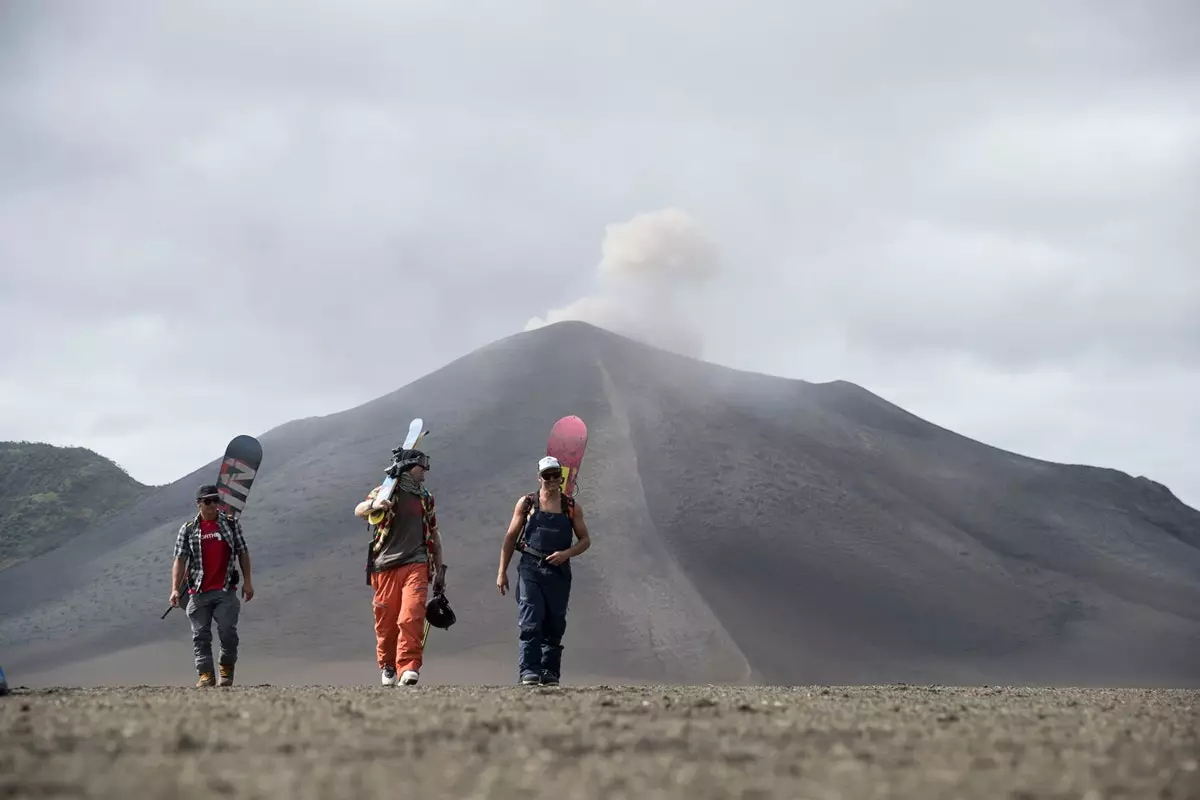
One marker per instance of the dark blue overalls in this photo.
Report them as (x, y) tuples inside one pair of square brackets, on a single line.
[(542, 594)]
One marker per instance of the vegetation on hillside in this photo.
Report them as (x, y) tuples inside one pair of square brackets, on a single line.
[(49, 494)]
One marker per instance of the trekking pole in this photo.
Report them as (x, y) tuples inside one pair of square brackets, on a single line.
[(180, 588)]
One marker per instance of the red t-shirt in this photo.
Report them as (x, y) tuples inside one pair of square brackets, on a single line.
[(215, 554)]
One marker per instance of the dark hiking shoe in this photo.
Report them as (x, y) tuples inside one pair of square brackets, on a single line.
[(530, 680), (226, 675), (206, 679), (549, 680)]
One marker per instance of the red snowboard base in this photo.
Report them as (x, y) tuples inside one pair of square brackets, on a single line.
[(568, 440)]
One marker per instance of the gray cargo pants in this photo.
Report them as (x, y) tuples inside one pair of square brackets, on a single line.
[(202, 610)]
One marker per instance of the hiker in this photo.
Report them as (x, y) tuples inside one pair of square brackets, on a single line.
[(405, 553), (204, 551), (545, 521)]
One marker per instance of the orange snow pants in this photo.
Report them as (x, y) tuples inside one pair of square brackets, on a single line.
[(400, 596)]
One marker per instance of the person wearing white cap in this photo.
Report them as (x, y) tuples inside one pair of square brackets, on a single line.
[(542, 528)]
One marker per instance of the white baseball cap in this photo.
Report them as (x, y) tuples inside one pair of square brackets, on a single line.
[(549, 462)]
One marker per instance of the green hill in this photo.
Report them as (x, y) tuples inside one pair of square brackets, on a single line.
[(49, 494)]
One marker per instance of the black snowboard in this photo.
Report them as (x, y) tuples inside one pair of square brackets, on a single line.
[(242, 459)]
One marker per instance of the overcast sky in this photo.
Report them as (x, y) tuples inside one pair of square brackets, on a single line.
[(986, 212)]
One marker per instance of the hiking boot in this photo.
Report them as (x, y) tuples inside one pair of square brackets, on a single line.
[(549, 680), (530, 680), (206, 679), (387, 676), (409, 677), (226, 675)]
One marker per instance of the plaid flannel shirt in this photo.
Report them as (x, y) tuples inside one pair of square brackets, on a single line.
[(187, 545)]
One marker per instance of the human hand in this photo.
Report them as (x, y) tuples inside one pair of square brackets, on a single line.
[(502, 582), (174, 601), (247, 591), (557, 558)]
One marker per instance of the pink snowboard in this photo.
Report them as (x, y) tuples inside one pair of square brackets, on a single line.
[(568, 440)]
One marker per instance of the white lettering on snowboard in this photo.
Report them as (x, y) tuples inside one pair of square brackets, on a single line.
[(234, 481)]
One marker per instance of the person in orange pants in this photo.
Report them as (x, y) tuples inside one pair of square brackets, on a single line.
[(400, 597), (406, 551)]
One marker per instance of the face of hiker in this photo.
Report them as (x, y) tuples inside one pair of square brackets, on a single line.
[(552, 479), (208, 507), (417, 473)]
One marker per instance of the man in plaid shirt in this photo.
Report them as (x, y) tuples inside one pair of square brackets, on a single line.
[(204, 551)]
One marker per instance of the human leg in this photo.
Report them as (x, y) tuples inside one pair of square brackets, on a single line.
[(199, 613), (414, 582), (386, 604), (225, 613), (531, 613), (557, 592)]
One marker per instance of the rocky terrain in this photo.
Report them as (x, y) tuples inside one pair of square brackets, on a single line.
[(641, 742)]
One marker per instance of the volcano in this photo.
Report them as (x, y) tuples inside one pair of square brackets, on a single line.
[(746, 528)]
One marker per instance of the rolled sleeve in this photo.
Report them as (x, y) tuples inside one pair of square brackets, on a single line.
[(239, 542), (432, 514), (181, 543)]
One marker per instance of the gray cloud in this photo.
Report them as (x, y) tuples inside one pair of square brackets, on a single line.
[(985, 213), (652, 268)]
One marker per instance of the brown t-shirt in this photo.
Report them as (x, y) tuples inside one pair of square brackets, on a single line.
[(406, 539)]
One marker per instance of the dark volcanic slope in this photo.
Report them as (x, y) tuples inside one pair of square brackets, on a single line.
[(746, 528)]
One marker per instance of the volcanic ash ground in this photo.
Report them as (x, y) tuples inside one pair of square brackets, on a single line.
[(643, 742)]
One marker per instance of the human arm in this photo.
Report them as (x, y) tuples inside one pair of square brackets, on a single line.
[(580, 547), (179, 561), (178, 567), (439, 565), (435, 547), (243, 556), (509, 545), (363, 509), (247, 584)]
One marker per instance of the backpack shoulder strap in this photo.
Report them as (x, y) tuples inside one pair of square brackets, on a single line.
[(532, 504)]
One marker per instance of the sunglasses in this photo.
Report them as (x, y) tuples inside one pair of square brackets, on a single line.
[(552, 476), (208, 501)]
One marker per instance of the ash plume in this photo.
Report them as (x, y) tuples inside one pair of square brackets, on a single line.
[(652, 270)]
